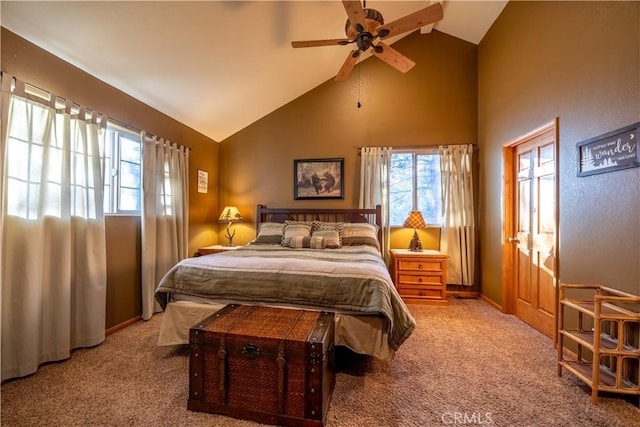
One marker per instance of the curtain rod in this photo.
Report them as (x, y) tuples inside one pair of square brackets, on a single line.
[(114, 122), (417, 147), (420, 147), (126, 127), (123, 125)]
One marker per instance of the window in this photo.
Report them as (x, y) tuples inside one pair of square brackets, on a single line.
[(167, 196), (122, 171), (415, 185), (35, 153), (50, 162), (26, 138)]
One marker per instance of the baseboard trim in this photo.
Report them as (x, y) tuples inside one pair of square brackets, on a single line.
[(122, 325), (491, 302)]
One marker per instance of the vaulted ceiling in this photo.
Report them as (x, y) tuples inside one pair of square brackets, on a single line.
[(216, 66)]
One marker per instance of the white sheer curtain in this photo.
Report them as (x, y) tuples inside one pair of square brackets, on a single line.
[(53, 235), (165, 213), (457, 238), (375, 163)]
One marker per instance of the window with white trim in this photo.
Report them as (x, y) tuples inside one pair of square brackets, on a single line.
[(414, 184), (122, 171), (121, 157)]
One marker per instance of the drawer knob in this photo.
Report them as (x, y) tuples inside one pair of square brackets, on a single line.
[(419, 279), (419, 266)]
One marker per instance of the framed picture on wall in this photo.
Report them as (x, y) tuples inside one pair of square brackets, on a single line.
[(612, 151), (318, 179), (203, 181)]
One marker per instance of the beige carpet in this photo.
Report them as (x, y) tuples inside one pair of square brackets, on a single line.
[(466, 360)]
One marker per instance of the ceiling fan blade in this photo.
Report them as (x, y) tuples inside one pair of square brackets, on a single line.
[(356, 14), (348, 65), (413, 21), (393, 57), (314, 43)]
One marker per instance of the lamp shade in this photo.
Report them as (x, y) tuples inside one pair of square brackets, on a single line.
[(415, 220), (230, 214)]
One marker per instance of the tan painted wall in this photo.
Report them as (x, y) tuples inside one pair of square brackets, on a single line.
[(435, 103), (580, 62), (124, 296), (38, 67)]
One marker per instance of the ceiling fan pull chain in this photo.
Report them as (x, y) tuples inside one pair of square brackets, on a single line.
[(359, 104)]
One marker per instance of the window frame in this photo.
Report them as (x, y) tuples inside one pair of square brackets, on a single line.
[(112, 177), (415, 152)]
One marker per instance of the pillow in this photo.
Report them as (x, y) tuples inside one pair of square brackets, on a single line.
[(331, 238), (321, 225), (294, 230), (313, 242), (269, 233), (355, 234)]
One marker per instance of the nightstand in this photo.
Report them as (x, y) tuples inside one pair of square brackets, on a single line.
[(214, 249), (420, 277)]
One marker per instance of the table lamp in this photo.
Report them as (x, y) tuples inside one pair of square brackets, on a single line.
[(230, 214), (415, 220)]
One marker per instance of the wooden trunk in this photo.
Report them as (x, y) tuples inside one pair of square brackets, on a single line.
[(270, 365)]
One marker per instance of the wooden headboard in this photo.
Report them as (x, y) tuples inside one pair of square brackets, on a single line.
[(371, 215)]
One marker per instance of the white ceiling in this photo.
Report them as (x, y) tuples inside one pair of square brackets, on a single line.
[(216, 66)]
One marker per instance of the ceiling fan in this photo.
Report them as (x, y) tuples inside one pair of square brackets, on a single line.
[(366, 28)]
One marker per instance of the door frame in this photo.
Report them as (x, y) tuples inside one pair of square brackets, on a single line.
[(508, 212)]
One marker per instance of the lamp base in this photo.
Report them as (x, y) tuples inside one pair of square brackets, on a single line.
[(415, 245), (229, 235)]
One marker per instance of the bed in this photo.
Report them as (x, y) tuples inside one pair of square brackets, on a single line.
[(318, 259)]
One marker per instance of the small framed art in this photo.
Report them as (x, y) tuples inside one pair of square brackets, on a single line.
[(318, 179), (203, 181)]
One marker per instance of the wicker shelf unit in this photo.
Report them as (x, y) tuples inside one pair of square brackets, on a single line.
[(605, 336)]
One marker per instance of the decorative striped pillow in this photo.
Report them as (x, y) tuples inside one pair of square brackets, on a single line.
[(331, 238), (295, 230), (317, 242), (355, 234), (323, 225), (313, 242), (269, 233)]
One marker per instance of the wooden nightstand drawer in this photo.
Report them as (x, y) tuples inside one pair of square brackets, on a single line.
[(416, 292), (417, 265), (420, 277), (418, 280)]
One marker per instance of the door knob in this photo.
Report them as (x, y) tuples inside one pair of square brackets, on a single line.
[(513, 240)]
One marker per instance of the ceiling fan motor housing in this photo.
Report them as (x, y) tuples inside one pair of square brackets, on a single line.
[(374, 20)]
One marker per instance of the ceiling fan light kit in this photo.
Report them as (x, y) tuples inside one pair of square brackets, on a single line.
[(365, 27)]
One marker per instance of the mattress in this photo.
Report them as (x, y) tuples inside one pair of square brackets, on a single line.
[(351, 281)]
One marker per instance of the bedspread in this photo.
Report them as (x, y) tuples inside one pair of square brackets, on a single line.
[(351, 279)]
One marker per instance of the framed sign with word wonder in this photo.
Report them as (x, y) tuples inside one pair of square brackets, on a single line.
[(609, 152)]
